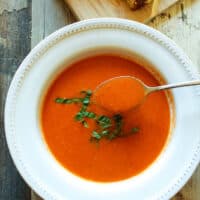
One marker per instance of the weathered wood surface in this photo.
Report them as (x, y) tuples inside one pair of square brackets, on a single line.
[(181, 23), (50, 16), (15, 30)]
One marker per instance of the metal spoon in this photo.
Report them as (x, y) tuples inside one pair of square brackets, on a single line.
[(170, 86), (148, 89)]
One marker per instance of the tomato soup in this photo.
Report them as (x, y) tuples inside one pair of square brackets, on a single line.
[(107, 160)]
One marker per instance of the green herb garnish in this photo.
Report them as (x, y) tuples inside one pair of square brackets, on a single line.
[(104, 122), (85, 124), (68, 101), (135, 130), (118, 120), (107, 127), (96, 135), (79, 116), (91, 115)]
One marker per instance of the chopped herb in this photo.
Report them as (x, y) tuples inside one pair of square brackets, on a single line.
[(85, 113), (117, 118), (105, 132), (87, 92), (111, 136), (86, 101), (79, 116), (67, 101), (107, 127), (104, 121), (91, 115), (85, 124), (118, 125), (61, 100), (76, 100), (96, 135), (83, 109), (135, 130)]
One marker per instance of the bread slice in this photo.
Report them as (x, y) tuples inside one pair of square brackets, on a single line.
[(135, 4)]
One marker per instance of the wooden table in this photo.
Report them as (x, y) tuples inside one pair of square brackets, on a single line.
[(23, 23)]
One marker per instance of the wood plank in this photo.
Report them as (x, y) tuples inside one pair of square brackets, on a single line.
[(15, 32), (85, 9), (12, 4), (182, 24), (50, 16)]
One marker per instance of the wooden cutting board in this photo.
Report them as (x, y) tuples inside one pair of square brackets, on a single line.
[(85, 9)]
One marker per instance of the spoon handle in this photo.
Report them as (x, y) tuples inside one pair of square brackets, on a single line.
[(175, 85)]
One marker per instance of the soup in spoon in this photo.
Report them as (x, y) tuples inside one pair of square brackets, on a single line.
[(119, 94)]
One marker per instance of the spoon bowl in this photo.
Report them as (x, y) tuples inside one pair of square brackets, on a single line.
[(123, 93)]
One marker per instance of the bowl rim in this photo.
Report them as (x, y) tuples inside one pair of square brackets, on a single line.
[(44, 45)]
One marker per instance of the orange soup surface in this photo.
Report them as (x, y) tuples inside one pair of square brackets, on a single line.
[(107, 160)]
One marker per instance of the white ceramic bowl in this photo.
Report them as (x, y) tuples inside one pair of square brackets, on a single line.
[(28, 150)]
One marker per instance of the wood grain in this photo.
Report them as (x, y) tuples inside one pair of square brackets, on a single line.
[(181, 23), (15, 32), (85, 9), (50, 16), (12, 5)]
